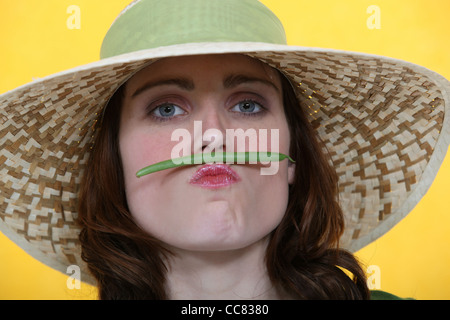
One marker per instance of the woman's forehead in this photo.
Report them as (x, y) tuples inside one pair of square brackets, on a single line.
[(200, 66)]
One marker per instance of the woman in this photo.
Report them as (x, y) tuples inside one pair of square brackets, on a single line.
[(218, 231), (256, 237)]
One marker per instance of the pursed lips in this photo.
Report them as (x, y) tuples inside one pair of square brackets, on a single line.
[(214, 176)]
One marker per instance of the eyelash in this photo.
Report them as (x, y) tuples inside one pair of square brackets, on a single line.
[(262, 111)]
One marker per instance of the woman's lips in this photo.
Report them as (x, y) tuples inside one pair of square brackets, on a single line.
[(213, 176)]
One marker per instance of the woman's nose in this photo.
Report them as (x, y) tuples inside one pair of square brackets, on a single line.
[(209, 132)]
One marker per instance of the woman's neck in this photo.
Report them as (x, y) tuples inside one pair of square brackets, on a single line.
[(235, 274)]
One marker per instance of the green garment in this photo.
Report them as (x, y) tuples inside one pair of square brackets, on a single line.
[(382, 295)]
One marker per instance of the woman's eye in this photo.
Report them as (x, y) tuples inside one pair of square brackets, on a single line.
[(167, 110), (247, 106)]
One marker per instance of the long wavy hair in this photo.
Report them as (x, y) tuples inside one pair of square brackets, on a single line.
[(303, 257)]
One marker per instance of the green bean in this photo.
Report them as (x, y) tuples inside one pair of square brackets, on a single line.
[(224, 157)]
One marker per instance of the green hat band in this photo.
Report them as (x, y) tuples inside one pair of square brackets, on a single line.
[(155, 23)]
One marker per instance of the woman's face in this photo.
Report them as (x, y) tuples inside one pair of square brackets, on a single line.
[(204, 207)]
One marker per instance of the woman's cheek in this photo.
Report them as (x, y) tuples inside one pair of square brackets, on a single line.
[(141, 149)]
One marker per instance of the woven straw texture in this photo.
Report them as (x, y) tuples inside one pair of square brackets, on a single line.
[(380, 122), (384, 123)]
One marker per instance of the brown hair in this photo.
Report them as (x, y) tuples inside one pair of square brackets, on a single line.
[(303, 258)]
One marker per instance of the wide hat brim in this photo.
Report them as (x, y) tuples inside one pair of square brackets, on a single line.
[(385, 123)]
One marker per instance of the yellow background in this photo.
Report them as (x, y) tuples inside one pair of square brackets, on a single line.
[(414, 257)]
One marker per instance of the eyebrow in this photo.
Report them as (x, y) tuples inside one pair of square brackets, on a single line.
[(183, 83), (235, 80), (187, 84)]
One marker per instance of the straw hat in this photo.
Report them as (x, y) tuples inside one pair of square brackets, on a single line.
[(385, 122)]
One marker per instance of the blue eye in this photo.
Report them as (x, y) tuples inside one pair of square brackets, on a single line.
[(247, 106), (167, 110)]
